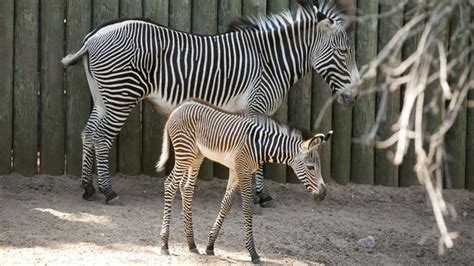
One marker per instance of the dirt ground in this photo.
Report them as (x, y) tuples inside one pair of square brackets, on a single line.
[(43, 220)]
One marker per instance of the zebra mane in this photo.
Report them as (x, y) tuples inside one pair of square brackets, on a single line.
[(307, 9), (288, 130)]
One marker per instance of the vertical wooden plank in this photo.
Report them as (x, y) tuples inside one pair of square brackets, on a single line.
[(254, 7), (470, 123), (299, 106), (470, 130), (130, 138), (204, 21), (299, 111), (386, 173), (26, 81), (53, 122), (321, 93), (341, 140), (153, 121), (407, 174), (78, 97), (6, 83), (277, 172), (180, 15), (362, 154), (226, 11), (102, 12), (456, 136)]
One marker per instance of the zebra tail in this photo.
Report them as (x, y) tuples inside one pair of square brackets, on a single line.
[(72, 59), (165, 151)]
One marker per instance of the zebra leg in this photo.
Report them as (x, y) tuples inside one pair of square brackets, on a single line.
[(257, 209), (187, 191), (261, 191), (246, 194), (88, 153), (226, 205), (171, 186)]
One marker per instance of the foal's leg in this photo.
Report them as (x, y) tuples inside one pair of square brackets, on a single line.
[(187, 191), (264, 198), (171, 186), (246, 194), (225, 208)]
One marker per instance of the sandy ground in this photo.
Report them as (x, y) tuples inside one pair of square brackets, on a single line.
[(43, 220)]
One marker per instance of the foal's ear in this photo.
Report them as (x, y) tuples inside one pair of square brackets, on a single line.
[(316, 141)]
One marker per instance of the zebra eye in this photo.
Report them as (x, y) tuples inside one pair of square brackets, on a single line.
[(310, 167), (344, 51)]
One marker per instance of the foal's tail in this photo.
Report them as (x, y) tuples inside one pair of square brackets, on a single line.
[(165, 151), (72, 59)]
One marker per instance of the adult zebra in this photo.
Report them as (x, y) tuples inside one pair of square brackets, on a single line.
[(249, 69)]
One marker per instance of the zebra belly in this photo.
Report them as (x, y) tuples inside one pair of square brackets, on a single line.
[(236, 104), (164, 106), (224, 158)]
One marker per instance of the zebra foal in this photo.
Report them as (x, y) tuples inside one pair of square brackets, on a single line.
[(241, 143)]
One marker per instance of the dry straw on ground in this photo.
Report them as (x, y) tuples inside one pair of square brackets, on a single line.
[(435, 80)]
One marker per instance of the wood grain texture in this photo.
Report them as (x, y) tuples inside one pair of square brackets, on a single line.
[(386, 173), (321, 93), (53, 100), (407, 174), (362, 155), (78, 98), (7, 15), (456, 136), (254, 7), (26, 88), (299, 111), (470, 123), (341, 142)]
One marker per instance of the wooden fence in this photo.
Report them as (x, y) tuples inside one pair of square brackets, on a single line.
[(44, 107)]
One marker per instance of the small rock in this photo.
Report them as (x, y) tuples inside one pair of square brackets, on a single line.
[(367, 242), (464, 213)]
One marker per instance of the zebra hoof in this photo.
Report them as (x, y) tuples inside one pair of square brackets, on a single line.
[(257, 209), (194, 250), (210, 252), (256, 261), (89, 193), (266, 200), (165, 251), (114, 202), (267, 204)]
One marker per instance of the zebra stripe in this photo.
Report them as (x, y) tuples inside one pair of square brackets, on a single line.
[(242, 143), (249, 69)]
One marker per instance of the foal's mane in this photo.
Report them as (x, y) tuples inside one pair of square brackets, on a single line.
[(260, 119)]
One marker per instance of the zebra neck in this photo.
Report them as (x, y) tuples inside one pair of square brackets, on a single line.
[(275, 147), (286, 51)]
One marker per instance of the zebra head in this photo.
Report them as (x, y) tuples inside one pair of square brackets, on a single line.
[(332, 52), (307, 166)]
